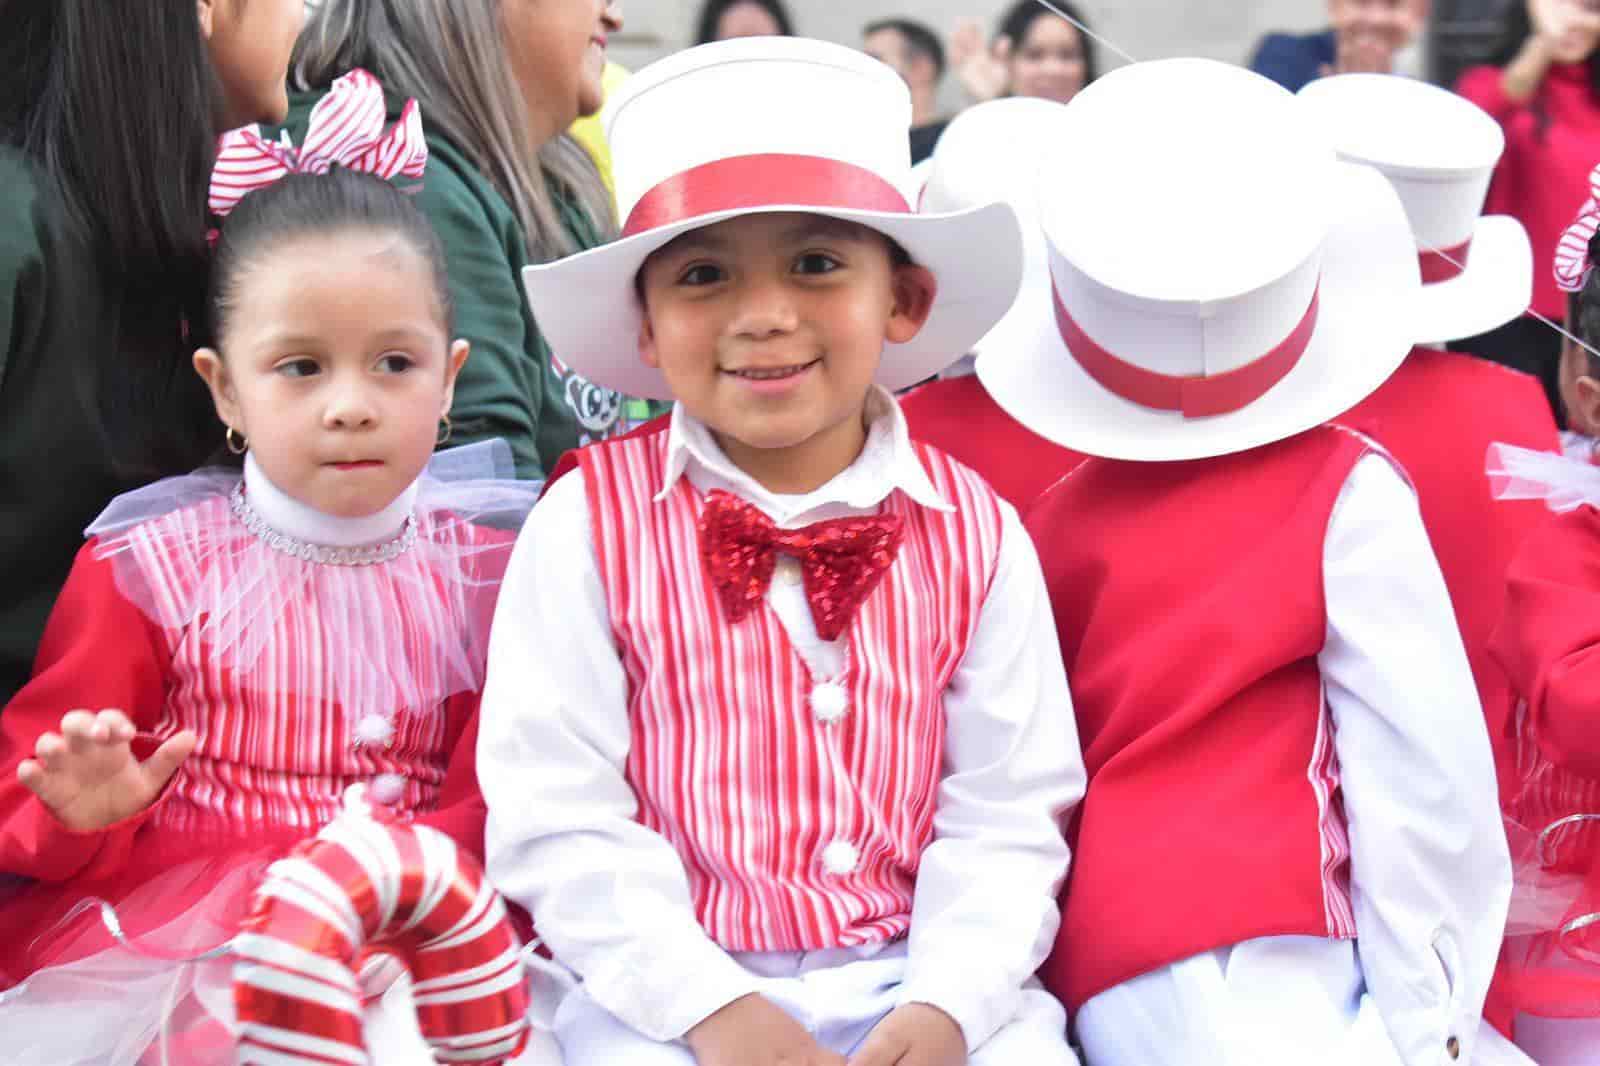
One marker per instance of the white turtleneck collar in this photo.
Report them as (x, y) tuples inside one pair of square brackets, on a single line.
[(299, 520)]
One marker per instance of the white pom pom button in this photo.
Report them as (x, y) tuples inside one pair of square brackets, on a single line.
[(829, 701), (388, 789), (375, 729), (841, 857), (787, 570)]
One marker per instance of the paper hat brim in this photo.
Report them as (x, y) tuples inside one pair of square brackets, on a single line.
[(589, 313), (1495, 288), (1370, 279)]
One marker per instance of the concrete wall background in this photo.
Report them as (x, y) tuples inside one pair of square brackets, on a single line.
[(1145, 29)]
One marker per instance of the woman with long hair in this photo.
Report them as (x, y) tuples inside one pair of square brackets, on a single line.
[(108, 125), (1544, 89), (499, 82), (1035, 52)]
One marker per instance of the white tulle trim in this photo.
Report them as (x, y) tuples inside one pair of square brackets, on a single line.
[(395, 633), (1563, 483)]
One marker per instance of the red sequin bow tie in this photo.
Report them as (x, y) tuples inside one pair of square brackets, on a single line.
[(841, 560)]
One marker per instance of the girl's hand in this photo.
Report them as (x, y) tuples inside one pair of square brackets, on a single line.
[(1566, 28), (981, 69), (914, 1035), (88, 775), (754, 1031)]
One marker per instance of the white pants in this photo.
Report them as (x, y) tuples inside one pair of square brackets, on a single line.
[(1560, 1041), (838, 996), (1264, 1002)]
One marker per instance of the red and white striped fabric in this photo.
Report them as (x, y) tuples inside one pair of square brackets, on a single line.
[(361, 885), (800, 805), (346, 130), (1572, 249)]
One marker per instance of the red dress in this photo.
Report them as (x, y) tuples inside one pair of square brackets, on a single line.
[(300, 678)]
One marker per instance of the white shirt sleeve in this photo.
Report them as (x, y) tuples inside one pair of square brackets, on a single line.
[(985, 913), (1431, 874), (609, 896)]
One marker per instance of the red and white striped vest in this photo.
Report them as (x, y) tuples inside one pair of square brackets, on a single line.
[(797, 831)]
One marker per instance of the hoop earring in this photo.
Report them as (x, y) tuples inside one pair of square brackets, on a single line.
[(445, 429), (234, 435)]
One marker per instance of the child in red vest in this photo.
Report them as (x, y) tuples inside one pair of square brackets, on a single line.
[(1290, 849), (776, 742), (1548, 639), (991, 152)]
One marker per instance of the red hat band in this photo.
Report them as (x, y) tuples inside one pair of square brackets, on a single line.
[(752, 182)]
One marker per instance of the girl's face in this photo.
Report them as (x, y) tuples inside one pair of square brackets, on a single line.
[(338, 368), (1580, 392), (250, 43), (1048, 62), (747, 20), (558, 55)]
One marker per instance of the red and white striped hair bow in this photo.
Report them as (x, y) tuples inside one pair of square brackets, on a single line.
[(1572, 251), (346, 130)]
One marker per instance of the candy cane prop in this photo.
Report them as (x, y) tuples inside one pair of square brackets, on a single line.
[(361, 885)]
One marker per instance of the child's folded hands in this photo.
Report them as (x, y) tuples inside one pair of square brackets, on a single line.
[(88, 775), (914, 1035), (754, 1031)]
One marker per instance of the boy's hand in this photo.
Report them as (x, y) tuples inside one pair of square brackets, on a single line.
[(88, 776), (914, 1035), (754, 1031)]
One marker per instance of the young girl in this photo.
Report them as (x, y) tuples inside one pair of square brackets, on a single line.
[(1290, 848), (231, 653), (1548, 640)]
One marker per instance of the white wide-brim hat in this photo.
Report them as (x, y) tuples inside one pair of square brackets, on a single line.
[(760, 126), (993, 151), (1221, 259), (1439, 151)]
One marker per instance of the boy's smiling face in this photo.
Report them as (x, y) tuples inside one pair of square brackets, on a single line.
[(769, 328)]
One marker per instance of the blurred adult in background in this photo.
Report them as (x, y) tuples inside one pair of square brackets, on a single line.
[(721, 20), (1544, 89), (499, 83), (917, 55), (1035, 52), (1363, 37), (109, 115)]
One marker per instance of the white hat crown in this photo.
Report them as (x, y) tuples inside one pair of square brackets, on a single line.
[(1198, 252), (1437, 149), (760, 97)]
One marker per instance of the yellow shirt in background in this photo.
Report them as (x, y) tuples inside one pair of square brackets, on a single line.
[(589, 132)]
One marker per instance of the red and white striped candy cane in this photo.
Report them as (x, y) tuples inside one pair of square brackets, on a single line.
[(359, 885)]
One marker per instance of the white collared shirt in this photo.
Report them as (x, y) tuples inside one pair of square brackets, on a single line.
[(611, 897)]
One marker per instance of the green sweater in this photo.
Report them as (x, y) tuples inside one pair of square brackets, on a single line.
[(510, 387), (57, 323)]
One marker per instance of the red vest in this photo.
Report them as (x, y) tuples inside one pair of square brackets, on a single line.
[(1437, 416), (958, 416), (799, 828), (1189, 601)]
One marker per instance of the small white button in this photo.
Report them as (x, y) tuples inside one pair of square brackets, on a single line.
[(829, 701), (841, 857), (388, 789), (788, 570), (375, 729)]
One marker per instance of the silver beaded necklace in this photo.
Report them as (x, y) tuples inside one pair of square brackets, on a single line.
[(369, 555)]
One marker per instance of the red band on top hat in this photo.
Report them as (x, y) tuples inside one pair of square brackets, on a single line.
[(756, 181), (1444, 264), (1199, 396)]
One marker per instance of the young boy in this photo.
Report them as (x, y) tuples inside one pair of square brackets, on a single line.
[(777, 742)]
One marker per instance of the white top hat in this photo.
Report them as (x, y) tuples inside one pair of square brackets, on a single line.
[(761, 125), (992, 151), (1220, 280), (1439, 152)]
